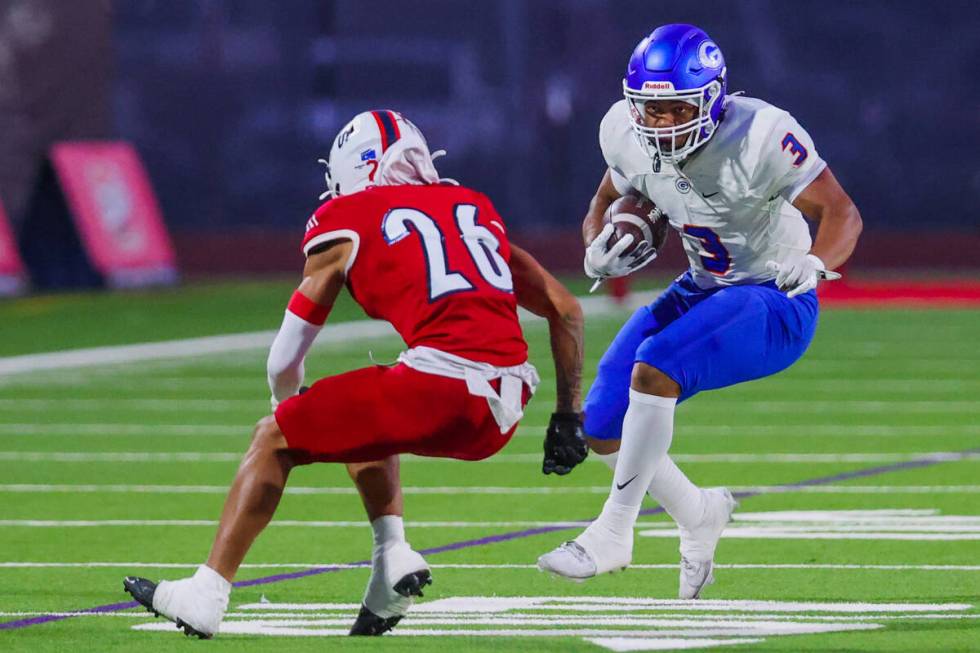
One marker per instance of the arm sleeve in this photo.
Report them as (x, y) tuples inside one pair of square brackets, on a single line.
[(789, 159), (285, 364)]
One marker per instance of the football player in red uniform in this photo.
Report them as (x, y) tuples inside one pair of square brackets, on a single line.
[(433, 259)]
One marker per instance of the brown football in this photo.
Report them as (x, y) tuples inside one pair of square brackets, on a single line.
[(636, 215)]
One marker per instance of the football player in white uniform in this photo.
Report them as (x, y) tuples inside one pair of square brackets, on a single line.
[(735, 176)]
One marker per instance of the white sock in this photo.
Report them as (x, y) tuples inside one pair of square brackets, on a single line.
[(681, 498), (211, 581), (388, 530), (647, 431)]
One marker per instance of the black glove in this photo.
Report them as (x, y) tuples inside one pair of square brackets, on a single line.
[(564, 444)]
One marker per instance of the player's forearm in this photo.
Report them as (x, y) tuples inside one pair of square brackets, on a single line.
[(592, 224), (837, 235), (285, 363), (539, 292), (605, 195), (300, 325), (567, 328)]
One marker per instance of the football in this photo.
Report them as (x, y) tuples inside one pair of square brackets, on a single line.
[(636, 215)]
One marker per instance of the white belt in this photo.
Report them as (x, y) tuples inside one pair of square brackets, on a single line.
[(506, 406)]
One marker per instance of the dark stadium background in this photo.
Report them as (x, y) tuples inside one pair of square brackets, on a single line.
[(230, 103)]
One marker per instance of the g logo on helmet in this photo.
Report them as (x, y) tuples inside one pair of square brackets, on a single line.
[(709, 54)]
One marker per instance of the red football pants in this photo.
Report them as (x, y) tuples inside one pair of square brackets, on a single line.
[(374, 412)]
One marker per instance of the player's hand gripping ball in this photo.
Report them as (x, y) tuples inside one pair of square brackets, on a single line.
[(564, 444), (636, 216), (635, 230)]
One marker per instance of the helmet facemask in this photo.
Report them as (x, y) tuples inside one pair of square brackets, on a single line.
[(668, 144)]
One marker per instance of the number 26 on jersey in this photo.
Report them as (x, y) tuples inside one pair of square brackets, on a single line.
[(482, 246)]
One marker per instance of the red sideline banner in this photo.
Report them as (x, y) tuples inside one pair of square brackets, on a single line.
[(11, 267), (115, 211)]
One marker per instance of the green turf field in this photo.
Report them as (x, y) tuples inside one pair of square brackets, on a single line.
[(116, 470)]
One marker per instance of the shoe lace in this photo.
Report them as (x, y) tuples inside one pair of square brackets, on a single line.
[(690, 567), (577, 551)]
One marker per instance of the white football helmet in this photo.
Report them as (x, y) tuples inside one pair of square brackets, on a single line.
[(379, 148)]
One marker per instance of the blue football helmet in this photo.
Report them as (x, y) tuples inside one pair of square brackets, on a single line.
[(676, 62)]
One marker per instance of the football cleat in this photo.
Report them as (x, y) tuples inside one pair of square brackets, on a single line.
[(588, 555), (570, 561), (695, 576), (193, 609), (412, 584), (368, 623), (398, 575), (142, 590), (698, 544)]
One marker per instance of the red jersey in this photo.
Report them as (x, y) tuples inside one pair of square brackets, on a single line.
[(434, 262)]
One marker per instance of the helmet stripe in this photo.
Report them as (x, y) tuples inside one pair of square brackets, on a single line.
[(394, 124), (388, 128)]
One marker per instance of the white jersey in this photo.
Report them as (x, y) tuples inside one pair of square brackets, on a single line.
[(730, 200)]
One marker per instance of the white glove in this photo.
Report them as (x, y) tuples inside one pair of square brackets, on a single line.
[(800, 274), (602, 264)]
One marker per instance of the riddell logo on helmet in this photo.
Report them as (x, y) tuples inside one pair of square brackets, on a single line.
[(658, 86)]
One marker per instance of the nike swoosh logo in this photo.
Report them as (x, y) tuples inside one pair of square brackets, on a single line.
[(620, 486), (707, 195)]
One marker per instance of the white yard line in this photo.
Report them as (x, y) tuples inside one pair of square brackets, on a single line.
[(44, 488), (255, 384), (244, 382), (341, 332), (481, 567), (789, 530), (876, 536), (54, 429), (896, 406), (527, 429), (824, 430), (343, 610), (257, 340), (842, 406), (503, 458)]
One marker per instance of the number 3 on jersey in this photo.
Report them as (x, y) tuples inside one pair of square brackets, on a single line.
[(481, 244), (714, 255)]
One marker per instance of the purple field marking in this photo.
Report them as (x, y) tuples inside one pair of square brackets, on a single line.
[(927, 461)]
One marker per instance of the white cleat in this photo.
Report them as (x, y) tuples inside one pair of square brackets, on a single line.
[(588, 555), (570, 561), (184, 603), (698, 544), (695, 576), (398, 575), (196, 604)]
